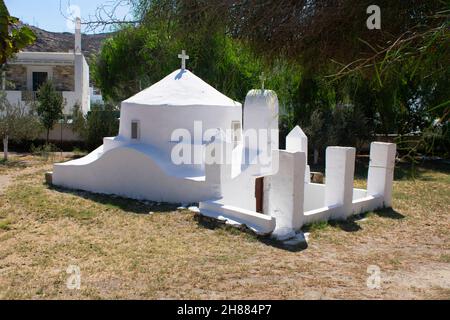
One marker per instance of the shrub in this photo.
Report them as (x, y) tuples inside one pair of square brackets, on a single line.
[(45, 151)]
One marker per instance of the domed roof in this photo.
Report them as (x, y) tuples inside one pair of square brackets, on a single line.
[(181, 88)]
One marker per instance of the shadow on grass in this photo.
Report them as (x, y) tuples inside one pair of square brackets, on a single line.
[(282, 246), (117, 202), (144, 207), (213, 224), (13, 163), (352, 223), (389, 213), (349, 225)]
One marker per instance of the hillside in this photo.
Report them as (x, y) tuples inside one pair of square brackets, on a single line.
[(64, 41)]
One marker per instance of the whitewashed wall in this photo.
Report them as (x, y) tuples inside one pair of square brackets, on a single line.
[(261, 112), (158, 123), (126, 172), (283, 191)]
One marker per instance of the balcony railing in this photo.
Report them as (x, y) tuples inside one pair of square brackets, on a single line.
[(30, 96)]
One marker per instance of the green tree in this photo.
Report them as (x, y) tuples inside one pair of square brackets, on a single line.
[(12, 37), (348, 127), (318, 56), (50, 105), (137, 57), (16, 123), (101, 121), (318, 132), (79, 124)]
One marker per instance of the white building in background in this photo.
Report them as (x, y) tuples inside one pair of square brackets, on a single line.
[(182, 117), (95, 96), (68, 71)]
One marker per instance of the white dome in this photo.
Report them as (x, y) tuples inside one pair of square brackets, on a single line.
[(181, 88)]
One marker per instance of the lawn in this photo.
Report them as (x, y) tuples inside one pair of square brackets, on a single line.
[(133, 250)]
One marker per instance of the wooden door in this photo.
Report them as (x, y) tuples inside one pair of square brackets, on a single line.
[(259, 194)]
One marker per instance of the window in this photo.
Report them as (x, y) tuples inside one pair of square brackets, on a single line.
[(236, 129), (38, 79), (135, 130)]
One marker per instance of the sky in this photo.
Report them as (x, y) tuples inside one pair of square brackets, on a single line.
[(46, 14)]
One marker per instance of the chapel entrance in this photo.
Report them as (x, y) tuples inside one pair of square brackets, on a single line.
[(259, 194)]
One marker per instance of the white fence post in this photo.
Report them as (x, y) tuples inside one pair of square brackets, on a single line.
[(297, 141), (339, 174), (284, 191), (381, 171)]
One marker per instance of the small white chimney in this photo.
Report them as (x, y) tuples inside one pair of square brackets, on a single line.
[(78, 36)]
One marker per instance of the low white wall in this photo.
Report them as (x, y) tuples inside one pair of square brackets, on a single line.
[(341, 199), (126, 172), (361, 205), (320, 214), (14, 97), (359, 194), (367, 204), (70, 98), (314, 196), (240, 192), (65, 133)]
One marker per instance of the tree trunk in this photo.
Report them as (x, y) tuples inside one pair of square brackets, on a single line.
[(48, 134), (3, 79), (316, 156), (5, 148)]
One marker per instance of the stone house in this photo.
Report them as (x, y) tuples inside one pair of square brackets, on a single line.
[(68, 71)]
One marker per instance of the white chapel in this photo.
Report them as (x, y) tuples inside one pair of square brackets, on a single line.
[(171, 136)]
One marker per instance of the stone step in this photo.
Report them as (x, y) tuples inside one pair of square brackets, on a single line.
[(261, 224)]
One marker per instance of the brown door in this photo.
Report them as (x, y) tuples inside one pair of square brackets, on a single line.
[(259, 194)]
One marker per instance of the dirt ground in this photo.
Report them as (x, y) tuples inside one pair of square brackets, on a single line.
[(4, 182), (132, 250)]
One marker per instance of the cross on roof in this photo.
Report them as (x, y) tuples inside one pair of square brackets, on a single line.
[(263, 79), (183, 58)]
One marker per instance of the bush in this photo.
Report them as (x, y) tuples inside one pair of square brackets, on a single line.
[(102, 121), (45, 151), (349, 127), (344, 125), (78, 153)]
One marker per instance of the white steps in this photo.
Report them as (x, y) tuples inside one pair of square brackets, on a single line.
[(261, 224)]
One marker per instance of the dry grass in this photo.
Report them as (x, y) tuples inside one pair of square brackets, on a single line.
[(124, 252)]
